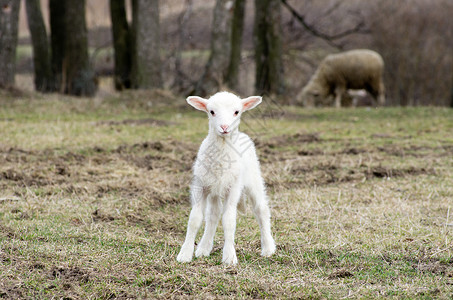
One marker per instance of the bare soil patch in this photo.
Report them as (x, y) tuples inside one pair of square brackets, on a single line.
[(11, 292), (349, 213), (74, 172), (342, 273), (69, 274), (132, 122), (382, 172), (290, 140)]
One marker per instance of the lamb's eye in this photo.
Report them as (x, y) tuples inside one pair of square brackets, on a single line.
[(212, 112), (236, 112)]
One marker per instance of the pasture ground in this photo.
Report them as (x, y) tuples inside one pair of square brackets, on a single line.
[(94, 201)]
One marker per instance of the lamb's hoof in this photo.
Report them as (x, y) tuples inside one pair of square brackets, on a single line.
[(268, 251), (230, 259), (185, 255), (203, 251)]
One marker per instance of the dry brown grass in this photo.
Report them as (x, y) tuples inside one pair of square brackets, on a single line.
[(94, 202)]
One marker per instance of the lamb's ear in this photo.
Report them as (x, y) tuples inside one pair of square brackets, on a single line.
[(250, 102), (197, 102)]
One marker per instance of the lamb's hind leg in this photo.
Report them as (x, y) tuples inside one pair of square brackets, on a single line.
[(257, 194), (195, 220), (212, 217)]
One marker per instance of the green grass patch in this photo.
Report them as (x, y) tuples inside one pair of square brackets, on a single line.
[(94, 201)]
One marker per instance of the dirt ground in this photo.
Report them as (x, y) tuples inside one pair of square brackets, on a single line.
[(95, 204)]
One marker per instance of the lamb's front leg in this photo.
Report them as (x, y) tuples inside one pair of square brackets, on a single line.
[(229, 225), (212, 220), (195, 220)]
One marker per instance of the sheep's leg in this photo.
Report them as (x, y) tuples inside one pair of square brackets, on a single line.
[(212, 220), (337, 100), (339, 91), (195, 220), (377, 90), (229, 225), (263, 215), (381, 94)]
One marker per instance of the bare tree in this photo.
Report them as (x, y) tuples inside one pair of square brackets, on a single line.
[(331, 39), (216, 67), (123, 44), (9, 16), (268, 51), (232, 75), (451, 88), (57, 40), (146, 67), (78, 76), (418, 56), (182, 36), (40, 43)]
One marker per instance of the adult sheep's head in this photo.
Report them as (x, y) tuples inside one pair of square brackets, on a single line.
[(309, 97)]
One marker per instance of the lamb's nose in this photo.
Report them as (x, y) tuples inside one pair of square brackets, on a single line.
[(224, 127)]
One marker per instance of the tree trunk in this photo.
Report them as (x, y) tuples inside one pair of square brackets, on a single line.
[(183, 18), (216, 68), (232, 76), (9, 17), (146, 68), (57, 40), (268, 52), (78, 76), (41, 55), (122, 42), (451, 96), (451, 88)]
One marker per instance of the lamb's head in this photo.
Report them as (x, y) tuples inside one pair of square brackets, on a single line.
[(224, 110)]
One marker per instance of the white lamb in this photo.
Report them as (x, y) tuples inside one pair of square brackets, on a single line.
[(225, 168)]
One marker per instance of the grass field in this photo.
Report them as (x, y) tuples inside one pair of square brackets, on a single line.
[(94, 201)]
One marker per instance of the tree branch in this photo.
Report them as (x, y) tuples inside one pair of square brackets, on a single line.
[(330, 39), (334, 7)]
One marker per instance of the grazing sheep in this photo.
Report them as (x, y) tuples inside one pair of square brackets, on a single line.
[(226, 168), (355, 69)]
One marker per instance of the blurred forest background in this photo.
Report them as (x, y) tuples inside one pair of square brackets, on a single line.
[(200, 46)]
